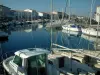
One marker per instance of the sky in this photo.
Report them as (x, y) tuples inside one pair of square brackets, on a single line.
[(77, 7)]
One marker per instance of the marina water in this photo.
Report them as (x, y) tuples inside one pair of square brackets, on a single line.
[(29, 36)]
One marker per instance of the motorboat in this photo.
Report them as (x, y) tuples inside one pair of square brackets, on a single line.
[(72, 27), (39, 61), (27, 62), (91, 32)]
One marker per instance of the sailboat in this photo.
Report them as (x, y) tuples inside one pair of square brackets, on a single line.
[(71, 26), (91, 31)]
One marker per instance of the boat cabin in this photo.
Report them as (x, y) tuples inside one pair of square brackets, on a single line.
[(30, 62)]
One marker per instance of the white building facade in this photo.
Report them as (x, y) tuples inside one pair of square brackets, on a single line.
[(26, 14), (97, 17), (43, 15)]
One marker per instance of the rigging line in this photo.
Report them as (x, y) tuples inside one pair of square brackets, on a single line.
[(66, 36), (94, 3), (80, 40), (62, 39), (68, 39), (66, 5), (62, 17), (56, 37)]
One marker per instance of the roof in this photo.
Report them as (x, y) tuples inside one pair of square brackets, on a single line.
[(29, 10), (26, 53), (19, 11)]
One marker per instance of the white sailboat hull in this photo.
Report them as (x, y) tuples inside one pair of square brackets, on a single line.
[(91, 32)]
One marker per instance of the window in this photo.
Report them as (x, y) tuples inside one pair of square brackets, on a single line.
[(36, 65), (32, 62), (41, 60), (17, 60), (74, 26)]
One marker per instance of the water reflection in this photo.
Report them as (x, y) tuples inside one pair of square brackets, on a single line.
[(72, 33), (71, 39), (23, 28), (36, 35), (26, 37), (3, 36), (3, 40)]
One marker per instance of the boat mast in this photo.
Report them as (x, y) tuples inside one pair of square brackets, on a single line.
[(91, 13), (62, 14), (90, 19), (69, 8), (51, 24), (97, 32)]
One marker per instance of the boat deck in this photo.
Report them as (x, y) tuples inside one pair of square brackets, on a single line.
[(79, 53), (92, 53)]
